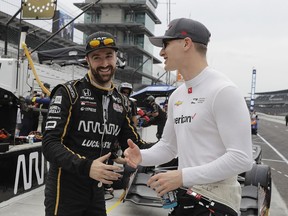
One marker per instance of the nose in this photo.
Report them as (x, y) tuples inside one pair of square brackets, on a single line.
[(162, 52), (104, 62)]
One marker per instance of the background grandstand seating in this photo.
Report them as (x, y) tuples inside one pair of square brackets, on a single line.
[(272, 103)]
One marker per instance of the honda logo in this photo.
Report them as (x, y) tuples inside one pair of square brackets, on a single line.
[(86, 92)]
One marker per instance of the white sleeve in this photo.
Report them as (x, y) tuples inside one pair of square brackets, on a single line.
[(166, 149)]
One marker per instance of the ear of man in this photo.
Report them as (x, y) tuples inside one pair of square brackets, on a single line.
[(186, 42), (87, 60)]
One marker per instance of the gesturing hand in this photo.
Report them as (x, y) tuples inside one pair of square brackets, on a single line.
[(132, 154), (102, 172)]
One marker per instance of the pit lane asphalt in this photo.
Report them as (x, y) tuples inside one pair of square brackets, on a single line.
[(31, 203), (273, 139)]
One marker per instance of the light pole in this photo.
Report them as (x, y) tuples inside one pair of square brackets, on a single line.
[(253, 86)]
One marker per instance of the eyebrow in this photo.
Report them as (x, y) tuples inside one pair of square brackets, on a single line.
[(106, 53)]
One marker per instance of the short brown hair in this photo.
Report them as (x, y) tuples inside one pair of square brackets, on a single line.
[(201, 48)]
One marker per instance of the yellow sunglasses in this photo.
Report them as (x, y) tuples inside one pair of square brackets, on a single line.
[(106, 42)]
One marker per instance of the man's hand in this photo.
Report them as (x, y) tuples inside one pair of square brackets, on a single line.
[(102, 172), (119, 160), (132, 154), (166, 181)]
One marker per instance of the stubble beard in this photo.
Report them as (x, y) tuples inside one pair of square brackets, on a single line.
[(102, 79)]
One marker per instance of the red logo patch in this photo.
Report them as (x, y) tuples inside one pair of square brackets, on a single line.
[(183, 33), (190, 90)]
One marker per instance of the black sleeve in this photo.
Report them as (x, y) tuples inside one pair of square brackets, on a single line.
[(129, 131), (133, 108), (155, 108), (56, 128)]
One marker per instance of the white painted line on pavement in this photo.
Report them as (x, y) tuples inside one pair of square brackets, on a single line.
[(274, 149), (280, 161)]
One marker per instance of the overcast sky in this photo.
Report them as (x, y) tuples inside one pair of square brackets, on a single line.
[(246, 34)]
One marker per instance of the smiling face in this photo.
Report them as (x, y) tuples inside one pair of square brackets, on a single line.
[(102, 64), (172, 53)]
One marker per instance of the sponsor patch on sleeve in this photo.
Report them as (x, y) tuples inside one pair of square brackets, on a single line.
[(58, 100)]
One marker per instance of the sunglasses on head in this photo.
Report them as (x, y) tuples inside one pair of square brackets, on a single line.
[(106, 42)]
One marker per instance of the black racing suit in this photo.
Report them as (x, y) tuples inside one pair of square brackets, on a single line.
[(133, 108), (83, 123), (158, 120)]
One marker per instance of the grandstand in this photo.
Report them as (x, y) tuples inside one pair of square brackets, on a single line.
[(272, 103)]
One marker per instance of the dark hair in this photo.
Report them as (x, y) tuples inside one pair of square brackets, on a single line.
[(47, 85), (201, 48)]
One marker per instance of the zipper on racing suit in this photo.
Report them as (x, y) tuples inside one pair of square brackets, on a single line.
[(105, 105)]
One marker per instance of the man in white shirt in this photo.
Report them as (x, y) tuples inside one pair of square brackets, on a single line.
[(208, 128)]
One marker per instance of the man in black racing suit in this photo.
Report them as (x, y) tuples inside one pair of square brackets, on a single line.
[(85, 119), (156, 114)]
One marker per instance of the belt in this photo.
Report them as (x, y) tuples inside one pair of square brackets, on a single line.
[(206, 202)]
